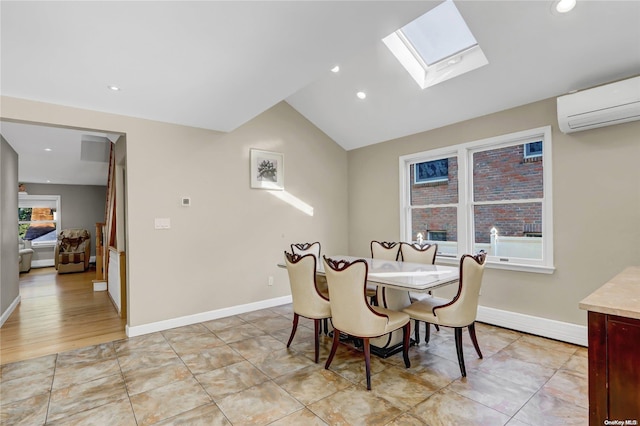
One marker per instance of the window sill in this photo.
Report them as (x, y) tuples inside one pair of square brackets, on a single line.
[(43, 245), (502, 265)]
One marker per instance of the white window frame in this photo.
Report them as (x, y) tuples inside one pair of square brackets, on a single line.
[(465, 204), (30, 201)]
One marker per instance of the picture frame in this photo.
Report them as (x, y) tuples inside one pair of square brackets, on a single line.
[(267, 170)]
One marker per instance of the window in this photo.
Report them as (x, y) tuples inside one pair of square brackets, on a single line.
[(436, 46), (533, 150), (492, 200), (431, 171), (436, 235), (38, 219), (434, 207)]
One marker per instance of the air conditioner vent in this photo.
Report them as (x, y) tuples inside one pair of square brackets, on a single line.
[(600, 106)]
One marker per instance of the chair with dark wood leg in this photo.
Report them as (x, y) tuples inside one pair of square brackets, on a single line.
[(419, 253), (457, 313), (321, 281), (353, 315), (308, 302)]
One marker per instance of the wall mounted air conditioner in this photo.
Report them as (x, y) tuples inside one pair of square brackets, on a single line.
[(613, 103)]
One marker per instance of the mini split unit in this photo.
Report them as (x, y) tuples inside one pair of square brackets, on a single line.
[(600, 106)]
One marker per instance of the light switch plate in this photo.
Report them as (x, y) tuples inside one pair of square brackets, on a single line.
[(162, 223)]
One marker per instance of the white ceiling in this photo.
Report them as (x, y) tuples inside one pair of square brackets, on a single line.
[(54, 154), (216, 64)]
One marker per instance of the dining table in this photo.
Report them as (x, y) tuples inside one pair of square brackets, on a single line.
[(405, 276), (396, 280)]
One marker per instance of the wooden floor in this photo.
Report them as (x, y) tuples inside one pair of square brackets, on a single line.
[(58, 313)]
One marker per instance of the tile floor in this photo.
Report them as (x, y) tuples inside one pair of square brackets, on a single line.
[(238, 371)]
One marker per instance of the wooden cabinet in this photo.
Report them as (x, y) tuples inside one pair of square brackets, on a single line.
[(614, 369), (614, 350)]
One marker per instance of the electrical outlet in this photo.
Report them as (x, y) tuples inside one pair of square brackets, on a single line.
[(270, 281)]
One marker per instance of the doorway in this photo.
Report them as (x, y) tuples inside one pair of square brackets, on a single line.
[(67, 161)]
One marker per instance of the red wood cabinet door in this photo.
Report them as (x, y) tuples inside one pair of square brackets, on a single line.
[(623, 363)]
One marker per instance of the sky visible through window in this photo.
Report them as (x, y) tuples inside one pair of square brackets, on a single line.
[(436, 46), (439, 33)]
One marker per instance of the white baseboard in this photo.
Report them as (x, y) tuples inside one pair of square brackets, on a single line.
[(43, 263), (566, 332), (563, 331), (205, 316), (6, 314)]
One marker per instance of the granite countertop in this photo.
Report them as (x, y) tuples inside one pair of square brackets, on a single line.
[(620, 296)]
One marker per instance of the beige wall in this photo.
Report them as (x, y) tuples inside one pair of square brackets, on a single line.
[(9, 289), (220, 251), (198, 265), (596, 196)]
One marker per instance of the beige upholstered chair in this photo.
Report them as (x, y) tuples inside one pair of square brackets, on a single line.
[(25, 253), (459, 312), (73, 251), (307, 300), (313, 248), (417, 253), (351, 313), (385, 251), (306, 248), (321, 280)]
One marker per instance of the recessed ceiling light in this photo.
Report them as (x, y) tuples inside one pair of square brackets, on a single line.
[(114, 88), (361, 95), (335, 69), (48, 149), (48, 181), (564, 6)]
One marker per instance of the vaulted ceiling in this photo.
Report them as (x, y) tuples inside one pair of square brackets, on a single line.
[(218, 64)]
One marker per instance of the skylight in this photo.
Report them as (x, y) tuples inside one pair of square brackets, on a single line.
[(436, 46)]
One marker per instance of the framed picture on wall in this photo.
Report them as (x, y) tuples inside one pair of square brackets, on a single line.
[(267, 170)]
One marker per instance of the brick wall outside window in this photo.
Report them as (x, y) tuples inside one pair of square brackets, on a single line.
[(499, 174), (503, 174), (435, 219), (510, 220)]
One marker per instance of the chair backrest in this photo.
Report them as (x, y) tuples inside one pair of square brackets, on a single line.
[(418, 254), (462, 310), (350, 310), (73, 240), (307, 301), (306, 248), (385, 250)]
